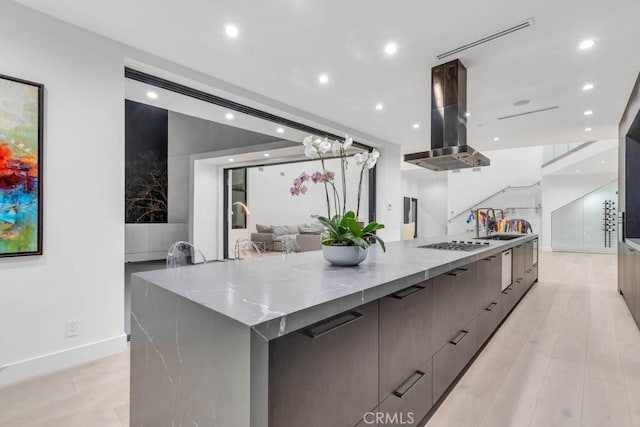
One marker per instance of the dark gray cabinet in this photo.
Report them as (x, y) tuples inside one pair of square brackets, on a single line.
[(519, 271), (405, 334), (629, 278), (409, 402), (449, 361), (392, 359), (327, 374), (455, 300)]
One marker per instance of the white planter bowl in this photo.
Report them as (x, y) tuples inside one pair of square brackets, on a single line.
[(344, 256)]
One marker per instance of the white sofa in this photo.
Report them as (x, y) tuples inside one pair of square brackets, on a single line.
[(302, 237)]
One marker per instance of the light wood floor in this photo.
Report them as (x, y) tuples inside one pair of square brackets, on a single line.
[(569, 355)]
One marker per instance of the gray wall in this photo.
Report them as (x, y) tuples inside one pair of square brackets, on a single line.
[(191, 135)]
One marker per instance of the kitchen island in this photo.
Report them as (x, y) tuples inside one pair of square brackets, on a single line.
[(294, 341)]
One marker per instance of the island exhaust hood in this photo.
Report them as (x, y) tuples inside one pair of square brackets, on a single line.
[(449, 149)]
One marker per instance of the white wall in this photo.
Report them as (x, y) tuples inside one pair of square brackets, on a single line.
[(80, 276), (559, 190), (431, 191), (513, 167), (389, 202), (206, 225), (270, 202)]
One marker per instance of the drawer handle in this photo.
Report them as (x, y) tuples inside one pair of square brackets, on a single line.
[(459, 337), (407, 292), (491, 258), (331, 324), (458, 272), (491, 306), (518, 280), (408, 384), (507, 290)]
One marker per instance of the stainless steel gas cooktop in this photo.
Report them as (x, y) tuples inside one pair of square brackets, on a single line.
[(456, 245)]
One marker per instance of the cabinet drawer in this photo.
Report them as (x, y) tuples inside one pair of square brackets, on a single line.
[(326, 374), (455, 296), (519, 288), (407, 404), (490, 279), (449, 361), (508, 300), (405, 334), (489, 319)]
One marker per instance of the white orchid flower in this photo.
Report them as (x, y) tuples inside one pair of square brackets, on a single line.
[(336, 148), (348, 141), (310, 149), (361, 158), (324, 146), (373, 158)]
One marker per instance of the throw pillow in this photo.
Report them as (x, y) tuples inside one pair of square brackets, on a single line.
[(280, 230), (264, 228)]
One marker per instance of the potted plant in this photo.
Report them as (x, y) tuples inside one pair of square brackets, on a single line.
[(347, 240)]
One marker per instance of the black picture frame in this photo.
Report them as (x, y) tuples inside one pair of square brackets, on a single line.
[(39, 197)]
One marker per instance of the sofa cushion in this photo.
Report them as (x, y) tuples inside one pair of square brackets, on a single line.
[(311, 229), (293, 229), (264, 228), (280, 230)]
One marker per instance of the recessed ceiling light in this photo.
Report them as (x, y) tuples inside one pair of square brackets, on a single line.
[(280, 130), (266, 154), (603, 162), (577, 170), (231, 160), (467, 114), (588, 129), (152, 95), (323, 79), (228, 116), (586, 44), (416, 125), (379, 107), (496, 139), (588, 86), (391, 48), (588, 112), (231, 31)]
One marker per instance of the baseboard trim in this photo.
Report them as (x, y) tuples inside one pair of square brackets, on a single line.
[(52, 362)]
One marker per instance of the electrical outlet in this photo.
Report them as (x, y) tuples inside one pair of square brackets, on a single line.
[(72, 328)]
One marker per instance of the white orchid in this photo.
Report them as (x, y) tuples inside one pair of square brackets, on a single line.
[(348, 141), (373, 158), (336, 148), (324, 146), (361, 158), (310, 149)]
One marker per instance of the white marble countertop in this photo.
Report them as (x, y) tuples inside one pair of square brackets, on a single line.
[(277, 294)]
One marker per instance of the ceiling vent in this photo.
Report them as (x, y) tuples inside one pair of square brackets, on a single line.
[(526, 113), (521, 26)]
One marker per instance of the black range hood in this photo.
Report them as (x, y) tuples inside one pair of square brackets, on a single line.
[(449, 149)]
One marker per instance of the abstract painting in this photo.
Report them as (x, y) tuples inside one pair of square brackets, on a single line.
[(20, 167)]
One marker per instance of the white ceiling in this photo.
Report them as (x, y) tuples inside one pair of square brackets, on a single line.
[(605, 163), (285, 44)]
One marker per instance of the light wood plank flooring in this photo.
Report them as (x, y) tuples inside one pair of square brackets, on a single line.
[(569, 355)]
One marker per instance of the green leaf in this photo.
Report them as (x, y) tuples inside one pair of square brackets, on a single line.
[(354, 227), (350, 214), (358, 241), (331, 226), (373, 226), (381, 242)]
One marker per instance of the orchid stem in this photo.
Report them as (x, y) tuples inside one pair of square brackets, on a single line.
[(359, 192)]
